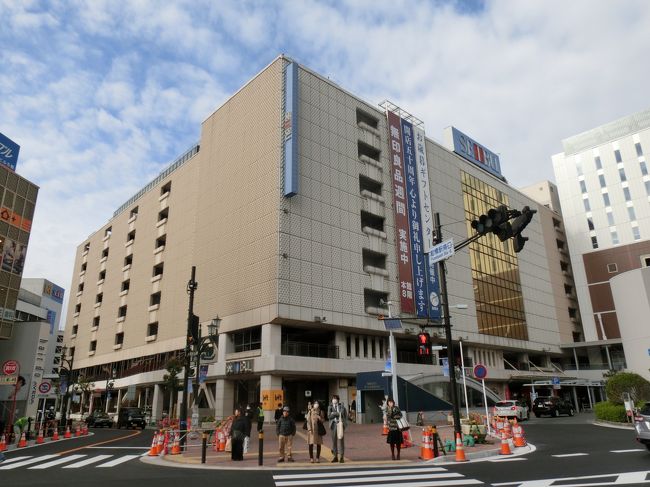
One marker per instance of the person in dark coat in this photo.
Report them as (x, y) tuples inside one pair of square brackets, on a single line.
[(394, 438), (278, 412), (240, 425), (286, 430)]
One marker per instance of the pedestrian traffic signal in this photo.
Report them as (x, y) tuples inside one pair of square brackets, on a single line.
[(194, 328), (518, 224), (424, 344)]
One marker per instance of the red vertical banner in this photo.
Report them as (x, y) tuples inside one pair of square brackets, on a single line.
[(400, 209)]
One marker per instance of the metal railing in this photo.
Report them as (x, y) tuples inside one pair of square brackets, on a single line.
[(306, 349)]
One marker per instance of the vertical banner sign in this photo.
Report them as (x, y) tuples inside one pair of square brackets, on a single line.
[(407, 303), (415, 230), (8, 152), (290, 130)]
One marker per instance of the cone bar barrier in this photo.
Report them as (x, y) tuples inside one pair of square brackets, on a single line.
[(176, 447), (460, 451), (505, 446)]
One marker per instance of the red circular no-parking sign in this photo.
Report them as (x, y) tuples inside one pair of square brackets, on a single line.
[(480, 371), (44, 387), (10, 367)]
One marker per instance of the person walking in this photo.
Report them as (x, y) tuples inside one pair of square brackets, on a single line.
[(315, 430), (286, 430), (278, 412), (240, 426), (338, 418), (260, 417), (394, 438)]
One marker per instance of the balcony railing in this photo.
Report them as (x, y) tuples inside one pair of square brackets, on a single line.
[(305, 349)]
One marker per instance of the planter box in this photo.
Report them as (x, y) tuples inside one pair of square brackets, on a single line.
[(209, 425)]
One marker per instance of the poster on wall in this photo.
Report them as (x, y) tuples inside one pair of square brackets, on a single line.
[(9, 255), (19, 260)]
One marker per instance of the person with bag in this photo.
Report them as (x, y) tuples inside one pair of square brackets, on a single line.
[(286, 430), (394, 438), (338, 418), (240, 426), (315, 430)]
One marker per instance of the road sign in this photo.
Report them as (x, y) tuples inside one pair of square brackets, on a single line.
[(556, 381), (445, 367), (44, 387), (480, 371), (8, 380), (441, 251), (10, 367)]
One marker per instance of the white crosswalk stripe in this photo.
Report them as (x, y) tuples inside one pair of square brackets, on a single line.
[(55, 460), (25, 462), (392, 477), (59, 461), (88, 461), (117, 461)]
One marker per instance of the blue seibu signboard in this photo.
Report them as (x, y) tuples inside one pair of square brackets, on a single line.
[(474, 152), (8, 152)]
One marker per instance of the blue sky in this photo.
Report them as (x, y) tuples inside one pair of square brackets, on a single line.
[(102, 95)]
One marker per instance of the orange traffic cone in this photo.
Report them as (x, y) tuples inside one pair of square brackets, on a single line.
[(518, 433), (176, 447), (39, 439), (77, 431), (222, 441), (507, 429), (153, 451), (460, 451), (55, 435), (3, 443), (161, 442), (84, 429), (23, 441), (505, 446), (426, 450), (67, 433)]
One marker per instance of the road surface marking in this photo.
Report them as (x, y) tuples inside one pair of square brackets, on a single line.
[(15, 459), (499, 460), (88, 461), (56, 462), (358, 473), (626, 451), (119, 447), (117, 461), (636, 478), (374, 478), (102, 442), (570, 455), (27, 462)]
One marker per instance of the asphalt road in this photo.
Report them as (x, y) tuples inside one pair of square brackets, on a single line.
[(570, 451)]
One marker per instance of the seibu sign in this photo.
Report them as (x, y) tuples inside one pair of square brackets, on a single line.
[(10, 367)]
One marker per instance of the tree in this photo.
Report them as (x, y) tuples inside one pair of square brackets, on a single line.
[(84, 385), (170, 380), (621, 382)]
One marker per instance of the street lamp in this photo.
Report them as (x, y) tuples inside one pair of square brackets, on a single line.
[(205, 344), (393, 352), (110, 383), (66, 366)]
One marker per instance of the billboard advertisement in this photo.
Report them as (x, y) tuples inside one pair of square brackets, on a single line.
[(469, 149), (400, 209), (8, 152), (53, 291)]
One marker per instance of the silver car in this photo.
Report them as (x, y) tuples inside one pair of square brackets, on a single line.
[(511, 409), (642, 425)]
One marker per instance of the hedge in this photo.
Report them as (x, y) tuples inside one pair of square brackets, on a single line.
[(608, 411)]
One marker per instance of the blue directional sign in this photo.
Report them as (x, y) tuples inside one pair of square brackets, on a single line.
[(8, 152)]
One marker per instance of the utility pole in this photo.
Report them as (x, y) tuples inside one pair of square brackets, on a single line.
[(447, 322), (192, 285)]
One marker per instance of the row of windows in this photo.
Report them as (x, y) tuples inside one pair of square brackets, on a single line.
[(617, 156), (613, 233), (128, 260), (152, 330)]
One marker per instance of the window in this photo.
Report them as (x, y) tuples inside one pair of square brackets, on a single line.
[(93, 346), (645, 261), (587, 205), (368, 184), (80, 288), (71, 352), (368, 151), (96, 321), (579, 168), (614, 235), (102, 275), (130, 236), (357, 348), (626, 193), (158, 269), (606, 199), (166, 188), (83, 267), (163, 214), (364, 117), (348, 345), (152, 329), (621, 174), (107, 232), (647, 187), (154, 299), (105, 253), (610, 219), (373, 349), (583, 187), (77, 308), (246, 340), (134, 212), (75, 328), (87, 247), (121, 312), (161, 241), (644, 168), (594, 242), (599, 165), (631, 213), (617, 155), (126, 285), (601, 180), (611, 268), (639, 150), (119, 338), (128, 260), (590, 223), (568, 289), (636, 233), (99, 298)]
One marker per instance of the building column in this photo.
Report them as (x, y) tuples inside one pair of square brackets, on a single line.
[(224, 398), (119, 401), (271, 339), (341, 342), (157, 405), (270, 383)]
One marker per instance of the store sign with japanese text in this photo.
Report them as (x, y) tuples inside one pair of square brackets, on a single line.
[(469, 149), (8, 152)]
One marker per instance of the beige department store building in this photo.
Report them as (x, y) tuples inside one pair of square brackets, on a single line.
[(285, 207)]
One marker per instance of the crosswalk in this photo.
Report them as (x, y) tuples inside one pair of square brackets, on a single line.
[(66, 461), (377, 477)]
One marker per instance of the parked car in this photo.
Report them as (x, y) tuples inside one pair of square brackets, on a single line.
[(511, 409), (99, 419), (131, 417), (553, 406), (642, 425)]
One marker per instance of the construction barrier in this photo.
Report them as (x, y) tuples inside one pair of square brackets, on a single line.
[(518, 435), (507, 429), (176, 446), (55, 434), (67, 433), (426, 449)]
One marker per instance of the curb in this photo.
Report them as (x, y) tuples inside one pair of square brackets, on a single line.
[(611, 424), (33, 444)]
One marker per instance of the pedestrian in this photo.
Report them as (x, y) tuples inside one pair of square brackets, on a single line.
[(315, 430), (260, 417), (338, 418), (249, 424), (238, 430), (394, 438), (278, 412), (286, 430)]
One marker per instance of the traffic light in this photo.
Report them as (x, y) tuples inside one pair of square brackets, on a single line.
[(424, 344), (194, 328), (518, 224), (483, 225), (500, 224)]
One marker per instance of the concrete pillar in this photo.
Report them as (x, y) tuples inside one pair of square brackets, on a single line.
[(226, 346), (340, 341), (271, 339), (157, 406), (224, 398), (119, 401), (270, 383)]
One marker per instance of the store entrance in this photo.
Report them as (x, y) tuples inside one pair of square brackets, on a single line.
[(297, 393)]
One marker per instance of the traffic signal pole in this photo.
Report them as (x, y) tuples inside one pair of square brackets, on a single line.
[(447, 325), (191, 287)]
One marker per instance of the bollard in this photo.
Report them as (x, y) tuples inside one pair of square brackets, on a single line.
[(434, 439), (204, 446), (260, 453)]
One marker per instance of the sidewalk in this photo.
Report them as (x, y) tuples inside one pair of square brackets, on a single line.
[(364, 445)]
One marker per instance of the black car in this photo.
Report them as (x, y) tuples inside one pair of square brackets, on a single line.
[(553, 406), (99, 419), (131, 417)]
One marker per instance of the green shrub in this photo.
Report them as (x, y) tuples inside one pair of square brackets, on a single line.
[(634, 384), (608, 411)]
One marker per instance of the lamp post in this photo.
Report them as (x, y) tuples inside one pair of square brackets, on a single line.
[(110, 382), (393, 353), (192, 286), (203, 345), (68, 373)]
